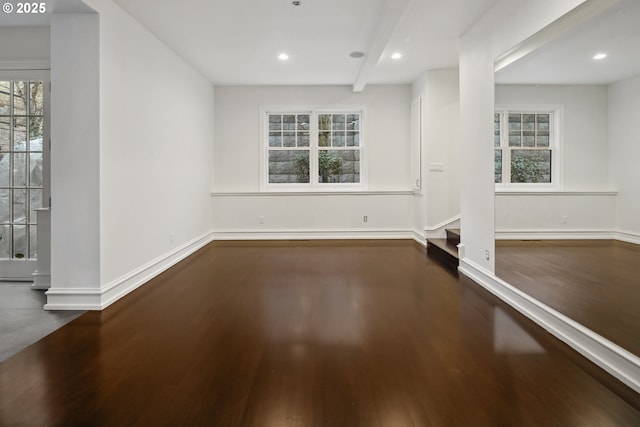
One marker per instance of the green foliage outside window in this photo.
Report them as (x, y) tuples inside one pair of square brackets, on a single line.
[(526, 169), (328, 165)]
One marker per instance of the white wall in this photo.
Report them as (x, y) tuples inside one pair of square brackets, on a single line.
[(583, 138), (156, 145), (580, 210), (579, 215), (75, 158), (506, 24), (624, 111), (310, 216), (439, 90), (150, 179), (24, 45), (237, 166), (238, 139)]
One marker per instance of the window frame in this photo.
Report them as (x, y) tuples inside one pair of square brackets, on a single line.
[(22, 75), (555, 145), (314, 185)]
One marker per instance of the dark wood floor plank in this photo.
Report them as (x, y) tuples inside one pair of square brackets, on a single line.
[(305, 334), (594, 282)]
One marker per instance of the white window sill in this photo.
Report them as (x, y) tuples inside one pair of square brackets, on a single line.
[(528, 188), (511, 192), (315, 193)]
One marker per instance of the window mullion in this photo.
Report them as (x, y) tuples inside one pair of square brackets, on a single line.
[(504, 143), (313, 149), (342, 162)]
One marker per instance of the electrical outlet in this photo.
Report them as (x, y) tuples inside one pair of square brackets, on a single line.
[(261, 220), (365, 218), (487, 254), (565, 219)]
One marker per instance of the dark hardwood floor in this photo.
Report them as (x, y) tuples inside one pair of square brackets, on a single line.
[(306, 334), (594, 282)]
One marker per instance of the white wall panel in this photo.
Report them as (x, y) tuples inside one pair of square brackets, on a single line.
[(389, 214), (132, 154), (584, 139), (386, 130), (624, 111)]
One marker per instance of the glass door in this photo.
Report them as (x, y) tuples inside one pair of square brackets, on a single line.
[(22, 167)]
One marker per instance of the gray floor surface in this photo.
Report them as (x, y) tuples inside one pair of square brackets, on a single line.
[(22, 319)]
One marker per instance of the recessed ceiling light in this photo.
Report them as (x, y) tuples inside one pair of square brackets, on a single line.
[(599, 56), (396, 55), (283, 57), (296, 3), (356, 54)]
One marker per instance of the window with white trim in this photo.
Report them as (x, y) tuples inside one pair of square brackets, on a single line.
[(313, 149), (526, 148)]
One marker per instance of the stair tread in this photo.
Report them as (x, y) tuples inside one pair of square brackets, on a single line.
[(445, 245)]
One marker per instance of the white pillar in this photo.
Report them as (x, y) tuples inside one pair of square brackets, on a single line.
[(75, 163)]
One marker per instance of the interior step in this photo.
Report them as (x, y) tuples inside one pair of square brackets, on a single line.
[(444, 252), (453, 236)]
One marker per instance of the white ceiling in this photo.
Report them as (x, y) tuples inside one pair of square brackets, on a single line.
[(237, 42), (15, 19), (569, 58)]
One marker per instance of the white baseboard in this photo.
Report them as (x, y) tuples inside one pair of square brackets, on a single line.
[(41, 281), (628, 236), (99, 299), (326, 234), (615, 360), (552, 234), (73, 299), (420, 238)]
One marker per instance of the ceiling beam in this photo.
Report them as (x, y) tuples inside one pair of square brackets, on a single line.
[(390, 16), (579, 15)]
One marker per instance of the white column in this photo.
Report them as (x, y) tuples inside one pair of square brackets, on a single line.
[(75, 163)]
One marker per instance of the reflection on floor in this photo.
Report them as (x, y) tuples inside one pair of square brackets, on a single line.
[(594, 282), (22, 319), (307, 334)]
